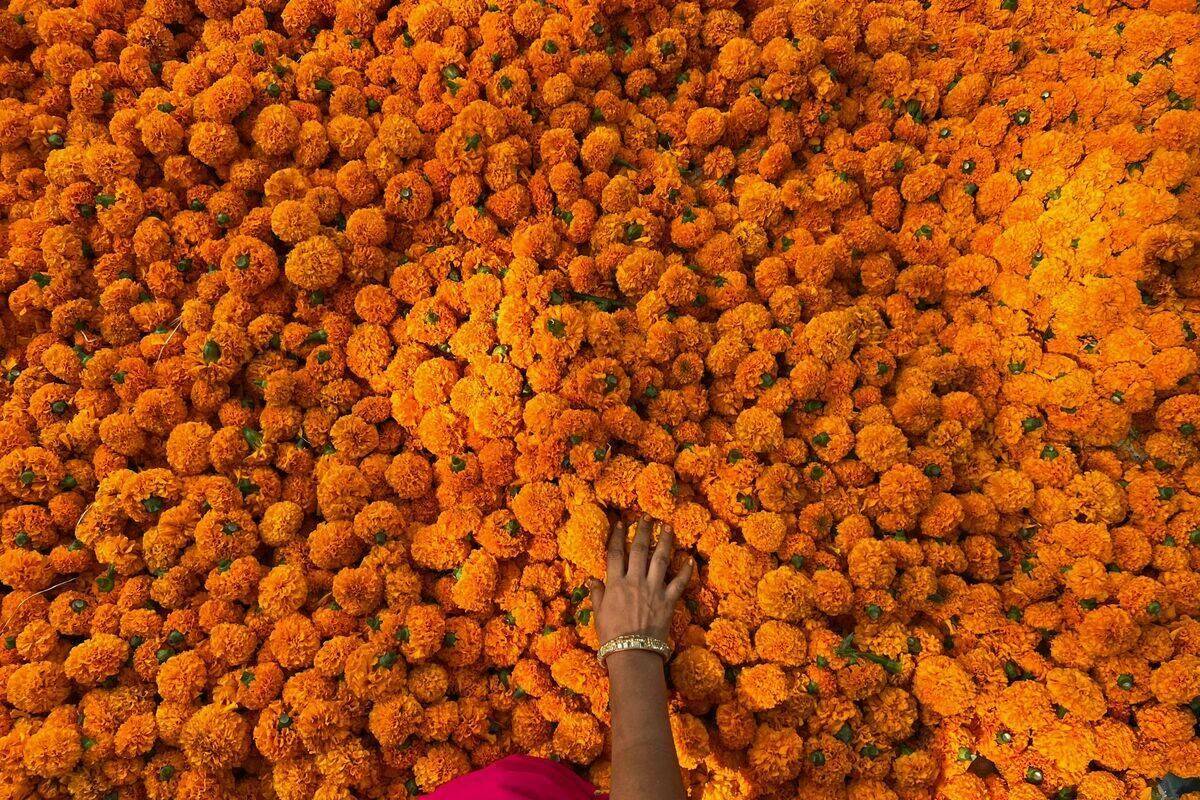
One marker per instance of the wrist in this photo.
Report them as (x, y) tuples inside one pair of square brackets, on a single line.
[(654, 632), (626, 662)]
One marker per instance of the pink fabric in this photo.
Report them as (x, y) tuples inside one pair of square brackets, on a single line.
[(519, 778)]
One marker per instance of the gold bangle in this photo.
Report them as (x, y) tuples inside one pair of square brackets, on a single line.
[(634, 641)]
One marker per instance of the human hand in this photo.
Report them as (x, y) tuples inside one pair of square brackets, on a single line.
[(635, 597)]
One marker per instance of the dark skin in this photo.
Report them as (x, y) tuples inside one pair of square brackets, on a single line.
[(637, 597)]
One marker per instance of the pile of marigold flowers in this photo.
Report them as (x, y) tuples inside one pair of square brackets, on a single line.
[(331, 331)]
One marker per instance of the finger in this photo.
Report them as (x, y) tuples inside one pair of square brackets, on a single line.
[(596, 592), (639, 553), (679, 583), (616, 550), (662, 556)]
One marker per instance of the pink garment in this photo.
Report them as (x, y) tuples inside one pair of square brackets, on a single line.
[(519, 778)]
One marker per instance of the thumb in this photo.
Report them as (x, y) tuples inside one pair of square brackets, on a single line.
[(596, 590)]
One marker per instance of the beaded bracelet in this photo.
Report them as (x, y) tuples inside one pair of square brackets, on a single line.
[(634, 641)]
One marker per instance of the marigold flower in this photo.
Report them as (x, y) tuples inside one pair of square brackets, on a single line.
[(697, 673), (1176, 681), (577, 738), (38, 687), (99, 657), (581, 541), (763, 686), (764, 531), (880, 446), (314, 264), (759, 430), (53, 751), (1107, 630), (215, 737), (777, 754), (440, 764), (941, 685)]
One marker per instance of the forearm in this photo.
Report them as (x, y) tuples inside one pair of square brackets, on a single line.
[(644, 764)]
